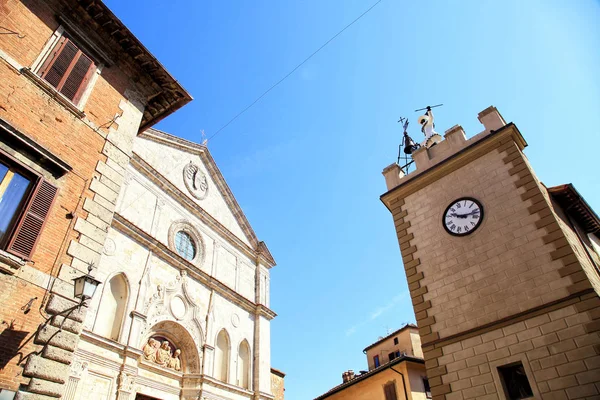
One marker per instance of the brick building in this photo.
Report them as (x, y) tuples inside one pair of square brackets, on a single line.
[(503, 272), (75, 89)]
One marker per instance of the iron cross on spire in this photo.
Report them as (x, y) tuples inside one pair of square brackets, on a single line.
[(404, 122)]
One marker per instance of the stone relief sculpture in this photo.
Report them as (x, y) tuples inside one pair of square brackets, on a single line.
[(160, 353)]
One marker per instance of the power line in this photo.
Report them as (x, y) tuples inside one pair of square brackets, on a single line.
[(292, 71)]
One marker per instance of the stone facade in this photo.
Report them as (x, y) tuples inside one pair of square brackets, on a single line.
[(211, 304), (82, 149), (519, 292)]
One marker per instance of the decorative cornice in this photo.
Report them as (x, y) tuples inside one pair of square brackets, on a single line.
[(97, 359), (162, 251), (203, 152), (226, 386), (98, 340)]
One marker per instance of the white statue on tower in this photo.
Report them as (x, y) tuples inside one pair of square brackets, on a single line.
[(428, 129)]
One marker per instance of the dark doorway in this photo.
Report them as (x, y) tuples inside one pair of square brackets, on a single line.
[(140, 396)]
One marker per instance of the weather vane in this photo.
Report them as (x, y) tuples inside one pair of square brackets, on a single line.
[(409, 146)]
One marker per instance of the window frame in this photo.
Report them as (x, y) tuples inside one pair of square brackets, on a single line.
[(187, 227), (37, 181), (498, 381), (376, 361), (41, 63), (517, 364)]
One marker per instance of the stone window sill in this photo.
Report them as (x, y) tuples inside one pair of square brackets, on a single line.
[(10, 264), (54, 94)]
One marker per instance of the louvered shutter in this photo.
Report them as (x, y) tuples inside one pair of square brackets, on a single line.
[(75, 83), (56, 71), (29, 229)]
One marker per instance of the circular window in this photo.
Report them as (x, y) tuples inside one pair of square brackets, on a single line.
[(185, 246)]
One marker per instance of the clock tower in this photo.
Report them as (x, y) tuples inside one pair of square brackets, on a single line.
[(503, 272)]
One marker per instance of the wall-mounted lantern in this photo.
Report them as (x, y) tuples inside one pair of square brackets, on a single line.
[(85, 286)]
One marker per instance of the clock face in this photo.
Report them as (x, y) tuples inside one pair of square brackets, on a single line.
[(463, 216)]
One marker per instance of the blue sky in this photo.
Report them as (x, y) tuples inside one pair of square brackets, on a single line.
[(305, 162)]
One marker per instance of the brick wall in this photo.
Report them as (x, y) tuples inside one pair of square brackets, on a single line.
[(560, 350), (96, 177)]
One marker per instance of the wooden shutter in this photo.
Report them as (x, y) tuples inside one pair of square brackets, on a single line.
[(55, 73), (78, 78), (390, 391), (68, 69), (27, 233)]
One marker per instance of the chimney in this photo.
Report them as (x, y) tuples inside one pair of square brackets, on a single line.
[(347, 376)]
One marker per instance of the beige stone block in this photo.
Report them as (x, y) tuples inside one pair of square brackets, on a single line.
[(98, 211), (571, 332), (521, 347), (563, 382), (545, 374), (113, 174), (498, 354), (475, 392), (550, 361), (90, 230), (461, 384), (581, 391)]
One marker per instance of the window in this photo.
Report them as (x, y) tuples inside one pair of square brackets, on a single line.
[(68, 69), (222, 356), (427, 388), (389, 389), (25, 201), (391, 356), (515, 382), (112, 308), (376, 361), (244, 365), (185, 245), (395, 340)]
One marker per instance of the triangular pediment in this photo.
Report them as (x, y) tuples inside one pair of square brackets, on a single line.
[(192, 170)]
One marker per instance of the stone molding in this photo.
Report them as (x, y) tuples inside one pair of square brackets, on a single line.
[(163, 252)]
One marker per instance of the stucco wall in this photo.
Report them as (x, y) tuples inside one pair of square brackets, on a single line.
[(371, 388)]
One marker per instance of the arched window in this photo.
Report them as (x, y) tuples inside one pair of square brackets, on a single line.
[(244, 365), (222, 356), (112, 308)]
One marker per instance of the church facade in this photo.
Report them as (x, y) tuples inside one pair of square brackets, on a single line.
[(183, 311), (503, 272)]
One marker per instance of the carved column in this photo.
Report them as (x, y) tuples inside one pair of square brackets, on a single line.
[(77, 370)]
